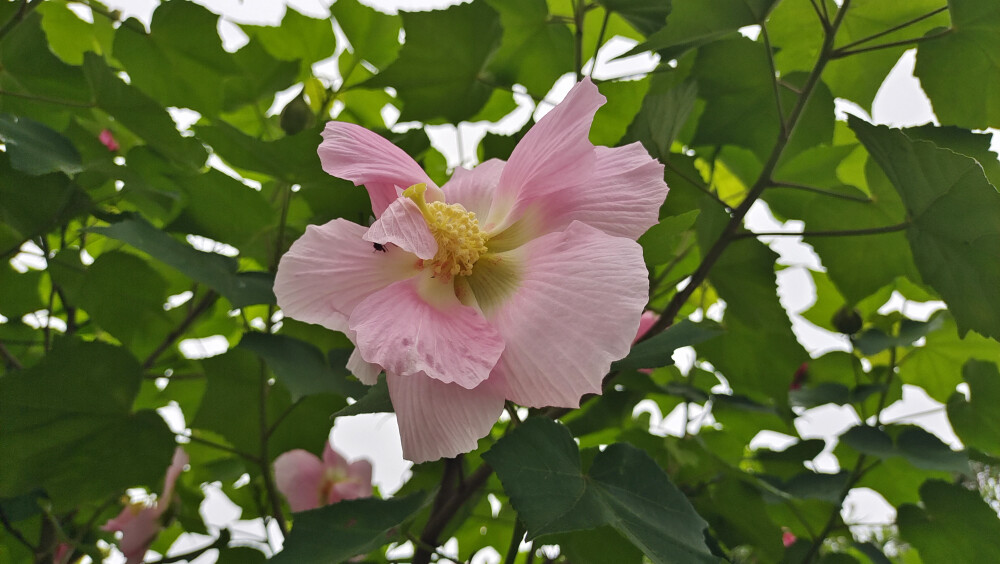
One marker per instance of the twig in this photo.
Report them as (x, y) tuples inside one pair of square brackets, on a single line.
[(205, 303), (841, 53), (600, 40), (16, 533), (265, 467), (27, 6), (10, 358), (834, 233), (892, 29), (774, 80), (439, 518)]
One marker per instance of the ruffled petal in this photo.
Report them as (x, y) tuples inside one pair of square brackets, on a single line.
[(404, 226), (622, 197), (398, 329), (474, 188), (554, 155), (438, 420), (353, 153), (299, 477), (366, 372), (574, 312), (330, 269)]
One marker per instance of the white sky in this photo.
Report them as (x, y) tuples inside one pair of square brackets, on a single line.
[(900, 102)]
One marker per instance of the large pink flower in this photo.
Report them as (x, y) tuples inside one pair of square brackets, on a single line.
[(308, 482), (139, 523), (519, 280)]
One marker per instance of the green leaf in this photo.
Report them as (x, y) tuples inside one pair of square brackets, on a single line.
[(118, 278), (183, 38), (696, 22), (596, 546), (665, 109), (70, 37), (36, 149), (874, 341), (375, 401), (534, 50), (216, 271), (624, 488), (955, 222), (646, 16), (935, 366), (142, 115), (920, 448), (338, 532), (659, 243), (292, 159), (967, 94), (32, 205), (975, 421), (657, 351), (300, 366), (296, 38), (954, 525), (21, 293), (248, 213), (73, 411), (438, 71), (625, 99), (374, 36), (28, 66)]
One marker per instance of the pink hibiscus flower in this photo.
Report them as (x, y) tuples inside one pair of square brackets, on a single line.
[(515, 281), (308, 482), (139, 523)]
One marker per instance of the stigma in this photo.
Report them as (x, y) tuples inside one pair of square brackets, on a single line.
[(460, 240)]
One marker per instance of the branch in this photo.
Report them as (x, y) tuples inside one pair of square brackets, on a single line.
[(446, 510), (774, 80), (823, 19), (27, 6), (205, 303), (10, 358), (729, 232), (835, 233)]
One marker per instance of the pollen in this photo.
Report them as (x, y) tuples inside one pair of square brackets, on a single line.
[(456, 230)]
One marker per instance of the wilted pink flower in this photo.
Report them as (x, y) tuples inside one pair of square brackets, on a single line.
[(139, 523), (519, 280), (788, 538), (800, 376), (108, 140), (308, 482), (62, 554)]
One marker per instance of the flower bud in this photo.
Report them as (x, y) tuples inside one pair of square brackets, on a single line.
[(847, 320), (296, 116)]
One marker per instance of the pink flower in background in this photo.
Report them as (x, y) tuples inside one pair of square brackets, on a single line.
[(108, 140), (788, 538), (308, 482), (139, 523), (648, 319), (515, 281)]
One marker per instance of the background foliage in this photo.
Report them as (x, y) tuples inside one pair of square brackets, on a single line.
[(112, 256)]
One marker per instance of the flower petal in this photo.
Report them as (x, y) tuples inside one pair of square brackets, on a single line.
[(646, 322), (352, 152), (332, 458), (330, 269), (554, 155), (474, 188), (177, 465), (358, 483), (138, 528), (299, 477), (397, 328), (438, 420), (366, 372), (622, 197), (575, 310), (403, 225)]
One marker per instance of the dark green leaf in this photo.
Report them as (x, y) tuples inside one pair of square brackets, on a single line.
[(955, 222), (72, 411), (291, 159), (248, 213), (975, 420), (438, 71), (20, 292), (660, 242), (36, 149), (624, 488), (874, 341), (697, 22), (534, 51), (216, 271), (376, 400), (297, 38), (657, 351), (646, 16), (954, 525), (28, 66), (299, 366), (337, 532), (374, 36), (665, 109), (935, 367), (596, 546), (920, 448), (32, 205), (967, 94)]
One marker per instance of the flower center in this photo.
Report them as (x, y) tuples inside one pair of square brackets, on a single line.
[(456, 230)]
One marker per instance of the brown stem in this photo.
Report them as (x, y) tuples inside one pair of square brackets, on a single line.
[(205, 303), (443, 513)]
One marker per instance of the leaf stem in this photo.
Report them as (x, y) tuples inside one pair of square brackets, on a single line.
[(16, 533), (515, 542), (821, 14), (443, 512), (222, 447), (774, 79), (578, 16), (700, 185), (834, 233), (823, 191), (600, 40), (730, 231), (27, 6), (48, 100), (263, 460), (898, 27), (12, 360)]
